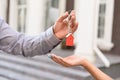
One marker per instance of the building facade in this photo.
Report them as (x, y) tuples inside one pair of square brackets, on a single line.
[(98, 21)]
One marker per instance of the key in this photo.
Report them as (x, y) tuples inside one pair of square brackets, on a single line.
[(69, 37), (69, 40)]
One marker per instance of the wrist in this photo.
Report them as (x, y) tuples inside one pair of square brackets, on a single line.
[(56, 34), (59, 36), (84, 62)]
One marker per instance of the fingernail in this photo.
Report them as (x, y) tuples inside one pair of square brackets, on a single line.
[(49, 55)]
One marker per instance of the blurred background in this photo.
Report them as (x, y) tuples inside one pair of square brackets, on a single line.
[(97, 38)]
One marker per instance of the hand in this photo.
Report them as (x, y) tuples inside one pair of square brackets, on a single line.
[(69, 61), (60, 28), (77, 61)]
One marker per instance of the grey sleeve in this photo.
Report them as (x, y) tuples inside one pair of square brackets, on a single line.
[(17, 43)]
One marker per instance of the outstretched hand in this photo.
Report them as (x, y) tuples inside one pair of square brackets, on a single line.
[(81, 61), (69, 61), (60, 28)]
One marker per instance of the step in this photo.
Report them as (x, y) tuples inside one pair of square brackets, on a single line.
[(31, 71), (12, 75), (41, 67), (117, 79), (27, 66), (4, 78), (114, 69)]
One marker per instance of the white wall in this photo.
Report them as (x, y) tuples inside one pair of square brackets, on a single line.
[(3, 9), (35, 16), (85, 36), (13, 14), (109, 20), (62, 6), (105, 43)]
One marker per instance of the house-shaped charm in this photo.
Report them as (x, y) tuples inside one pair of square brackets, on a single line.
[(69, 40)]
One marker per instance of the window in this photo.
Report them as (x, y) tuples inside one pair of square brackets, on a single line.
[(52, 12), (21, 15), (101, 23), (55, 3), (105, 21)]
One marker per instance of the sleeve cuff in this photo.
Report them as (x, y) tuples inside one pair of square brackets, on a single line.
[(51, 37)]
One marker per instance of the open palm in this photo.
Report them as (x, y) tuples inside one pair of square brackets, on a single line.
[(69, 61)]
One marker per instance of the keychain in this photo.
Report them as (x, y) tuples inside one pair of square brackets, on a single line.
[(69, 37)]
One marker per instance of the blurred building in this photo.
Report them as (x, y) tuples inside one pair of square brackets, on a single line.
[(98, 33), (98, 21)]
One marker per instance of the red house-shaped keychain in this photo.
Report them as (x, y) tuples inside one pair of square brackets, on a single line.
[(69, 40)]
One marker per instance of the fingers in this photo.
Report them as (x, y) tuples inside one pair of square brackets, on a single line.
[(66, 64), (63, 17), (70, 17), (54, 59), (75, 27), (69, 61), (73, 17), (59, 60), (73, 23)]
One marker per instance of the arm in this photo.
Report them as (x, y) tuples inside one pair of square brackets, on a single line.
[(15, 43), (94, 71), (81, 61)]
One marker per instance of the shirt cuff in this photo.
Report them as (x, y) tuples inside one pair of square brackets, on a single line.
[(51, 37)]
